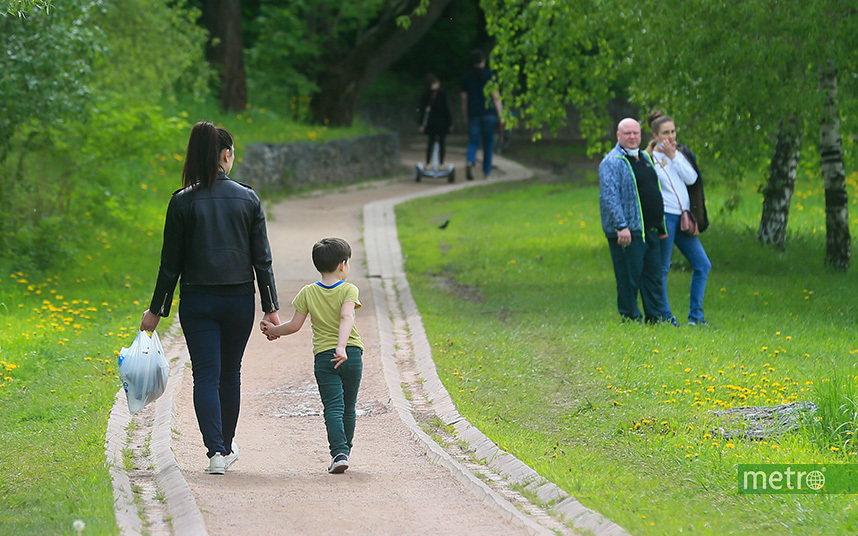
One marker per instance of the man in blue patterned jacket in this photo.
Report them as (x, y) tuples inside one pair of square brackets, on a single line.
[(632, 213)]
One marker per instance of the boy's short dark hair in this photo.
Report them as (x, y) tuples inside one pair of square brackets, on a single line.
[(328, 253)]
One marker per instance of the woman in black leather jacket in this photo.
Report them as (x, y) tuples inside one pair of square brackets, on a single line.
[(215, 240)]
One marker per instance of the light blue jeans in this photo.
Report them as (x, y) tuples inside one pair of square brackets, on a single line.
[(691, 247), (482, 127)]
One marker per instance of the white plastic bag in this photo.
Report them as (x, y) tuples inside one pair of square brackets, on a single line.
[(144, 370)]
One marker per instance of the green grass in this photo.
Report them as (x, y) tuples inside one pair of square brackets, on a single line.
[(518, 298), (61, 330)]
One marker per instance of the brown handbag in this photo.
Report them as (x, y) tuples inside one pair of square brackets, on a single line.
[(687, 221)]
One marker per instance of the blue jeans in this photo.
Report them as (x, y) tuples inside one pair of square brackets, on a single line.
[(216, 329), (482, 127), (691, 247), (338, 388), (637, 268)]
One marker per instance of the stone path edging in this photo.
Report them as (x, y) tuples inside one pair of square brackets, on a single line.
[(186, 516)]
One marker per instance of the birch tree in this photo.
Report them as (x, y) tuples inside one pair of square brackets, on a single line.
[(838, 239)]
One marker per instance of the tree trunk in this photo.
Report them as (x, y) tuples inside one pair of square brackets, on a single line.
[(778, 191), (226, 52), (838, 241), (345, 79)]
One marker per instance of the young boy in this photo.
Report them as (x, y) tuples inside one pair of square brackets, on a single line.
[(331, 302)]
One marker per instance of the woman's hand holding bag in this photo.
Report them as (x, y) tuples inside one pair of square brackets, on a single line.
[(144, 370)]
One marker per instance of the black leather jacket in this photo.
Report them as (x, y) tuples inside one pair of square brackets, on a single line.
[(215, 239)]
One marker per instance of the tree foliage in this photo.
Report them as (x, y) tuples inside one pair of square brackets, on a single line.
[(83, 85), (730, 73), (21, 8), (46, 63), (556, 54), (316, 58)]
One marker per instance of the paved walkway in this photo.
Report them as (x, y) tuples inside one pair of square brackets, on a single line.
[(401, 481)]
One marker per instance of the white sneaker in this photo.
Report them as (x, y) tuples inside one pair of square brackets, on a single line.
[(230, 459), (216, 465)]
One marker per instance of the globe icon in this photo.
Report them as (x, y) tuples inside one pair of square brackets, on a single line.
[(815, 480)]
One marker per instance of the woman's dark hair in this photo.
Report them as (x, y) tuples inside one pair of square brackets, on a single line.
[(202, 162), (431, 79), (656, 119), (328, 253)]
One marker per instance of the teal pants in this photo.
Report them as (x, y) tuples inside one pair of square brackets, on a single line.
[(338, 388)]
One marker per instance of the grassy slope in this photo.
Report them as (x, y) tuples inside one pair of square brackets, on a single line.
[(518, 298)]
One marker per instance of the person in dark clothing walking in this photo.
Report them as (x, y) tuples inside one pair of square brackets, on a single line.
[(435, 119), (215, 239), (481, 114)]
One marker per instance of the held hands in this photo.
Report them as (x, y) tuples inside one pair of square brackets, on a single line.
[(269, 321), (339, 356), (266, 326)]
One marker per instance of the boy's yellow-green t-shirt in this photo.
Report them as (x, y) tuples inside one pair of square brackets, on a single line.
[(324, 304)]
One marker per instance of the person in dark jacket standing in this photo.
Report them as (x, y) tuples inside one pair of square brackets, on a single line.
[(632, 211), (215, 240), (435, 119), (481, 114)]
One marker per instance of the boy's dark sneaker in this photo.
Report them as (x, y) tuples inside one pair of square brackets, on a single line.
[(469, 171), (339, 464)]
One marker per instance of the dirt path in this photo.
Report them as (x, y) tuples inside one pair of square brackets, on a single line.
[(280, 484), (400, 481)]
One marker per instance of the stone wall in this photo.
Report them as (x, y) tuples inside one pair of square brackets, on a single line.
[(296, 166)]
